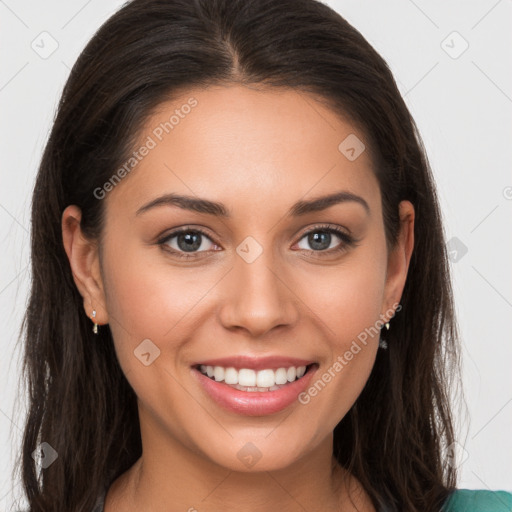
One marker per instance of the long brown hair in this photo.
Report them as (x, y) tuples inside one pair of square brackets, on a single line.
[(395, 437)]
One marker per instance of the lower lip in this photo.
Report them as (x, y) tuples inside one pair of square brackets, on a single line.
[(254, 403)]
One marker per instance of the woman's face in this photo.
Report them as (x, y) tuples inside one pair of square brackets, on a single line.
[(265, 278)]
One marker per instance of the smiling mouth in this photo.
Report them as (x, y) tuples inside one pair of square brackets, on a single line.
[(250, 380)]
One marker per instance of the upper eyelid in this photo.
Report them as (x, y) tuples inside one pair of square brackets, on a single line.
[(327, 227)]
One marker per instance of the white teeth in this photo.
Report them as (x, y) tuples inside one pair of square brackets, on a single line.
[(265, 378), (250, 380), (255, 388), (247, 377), (231, 376), (281, 376), (218, 373), (291, 374)]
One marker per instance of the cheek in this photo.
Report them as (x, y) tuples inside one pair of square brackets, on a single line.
[(347, 303), (148, 298), (351, 346), (145, 294), (348, 297)]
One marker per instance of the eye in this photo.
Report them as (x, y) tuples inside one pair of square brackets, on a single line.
[(187, 240), (321, 239)]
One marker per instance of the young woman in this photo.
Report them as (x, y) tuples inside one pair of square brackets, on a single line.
[(241, 296)]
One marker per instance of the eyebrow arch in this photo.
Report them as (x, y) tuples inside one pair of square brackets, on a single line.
[(218, 209)]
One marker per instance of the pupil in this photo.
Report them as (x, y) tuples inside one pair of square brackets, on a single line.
[(191, 241), (316, 242)]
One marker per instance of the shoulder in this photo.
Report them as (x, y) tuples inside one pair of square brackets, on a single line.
[(478, 500)]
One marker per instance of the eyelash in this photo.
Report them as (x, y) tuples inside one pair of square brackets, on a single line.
[(348, 241)]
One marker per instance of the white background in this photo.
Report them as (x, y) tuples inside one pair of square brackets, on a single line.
[(462, 107)]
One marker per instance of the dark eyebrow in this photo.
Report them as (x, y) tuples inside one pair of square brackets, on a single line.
[(187, 203), (218, 209), (324, 202)]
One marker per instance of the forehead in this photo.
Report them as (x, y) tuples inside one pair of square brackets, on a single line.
[(237, 142)]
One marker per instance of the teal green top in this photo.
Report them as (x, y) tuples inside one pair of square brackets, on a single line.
[(468, 500)]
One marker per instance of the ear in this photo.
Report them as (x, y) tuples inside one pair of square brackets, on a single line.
[(83, 256), (399, 259)]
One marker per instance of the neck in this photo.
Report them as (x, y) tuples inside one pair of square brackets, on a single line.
[(169, 476)]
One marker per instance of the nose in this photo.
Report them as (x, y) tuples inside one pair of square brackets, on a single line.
[(258, 297)]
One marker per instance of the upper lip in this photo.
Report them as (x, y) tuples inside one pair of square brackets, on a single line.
[(255, 363)]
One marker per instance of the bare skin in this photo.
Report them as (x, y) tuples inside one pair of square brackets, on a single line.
[(258, 152)]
